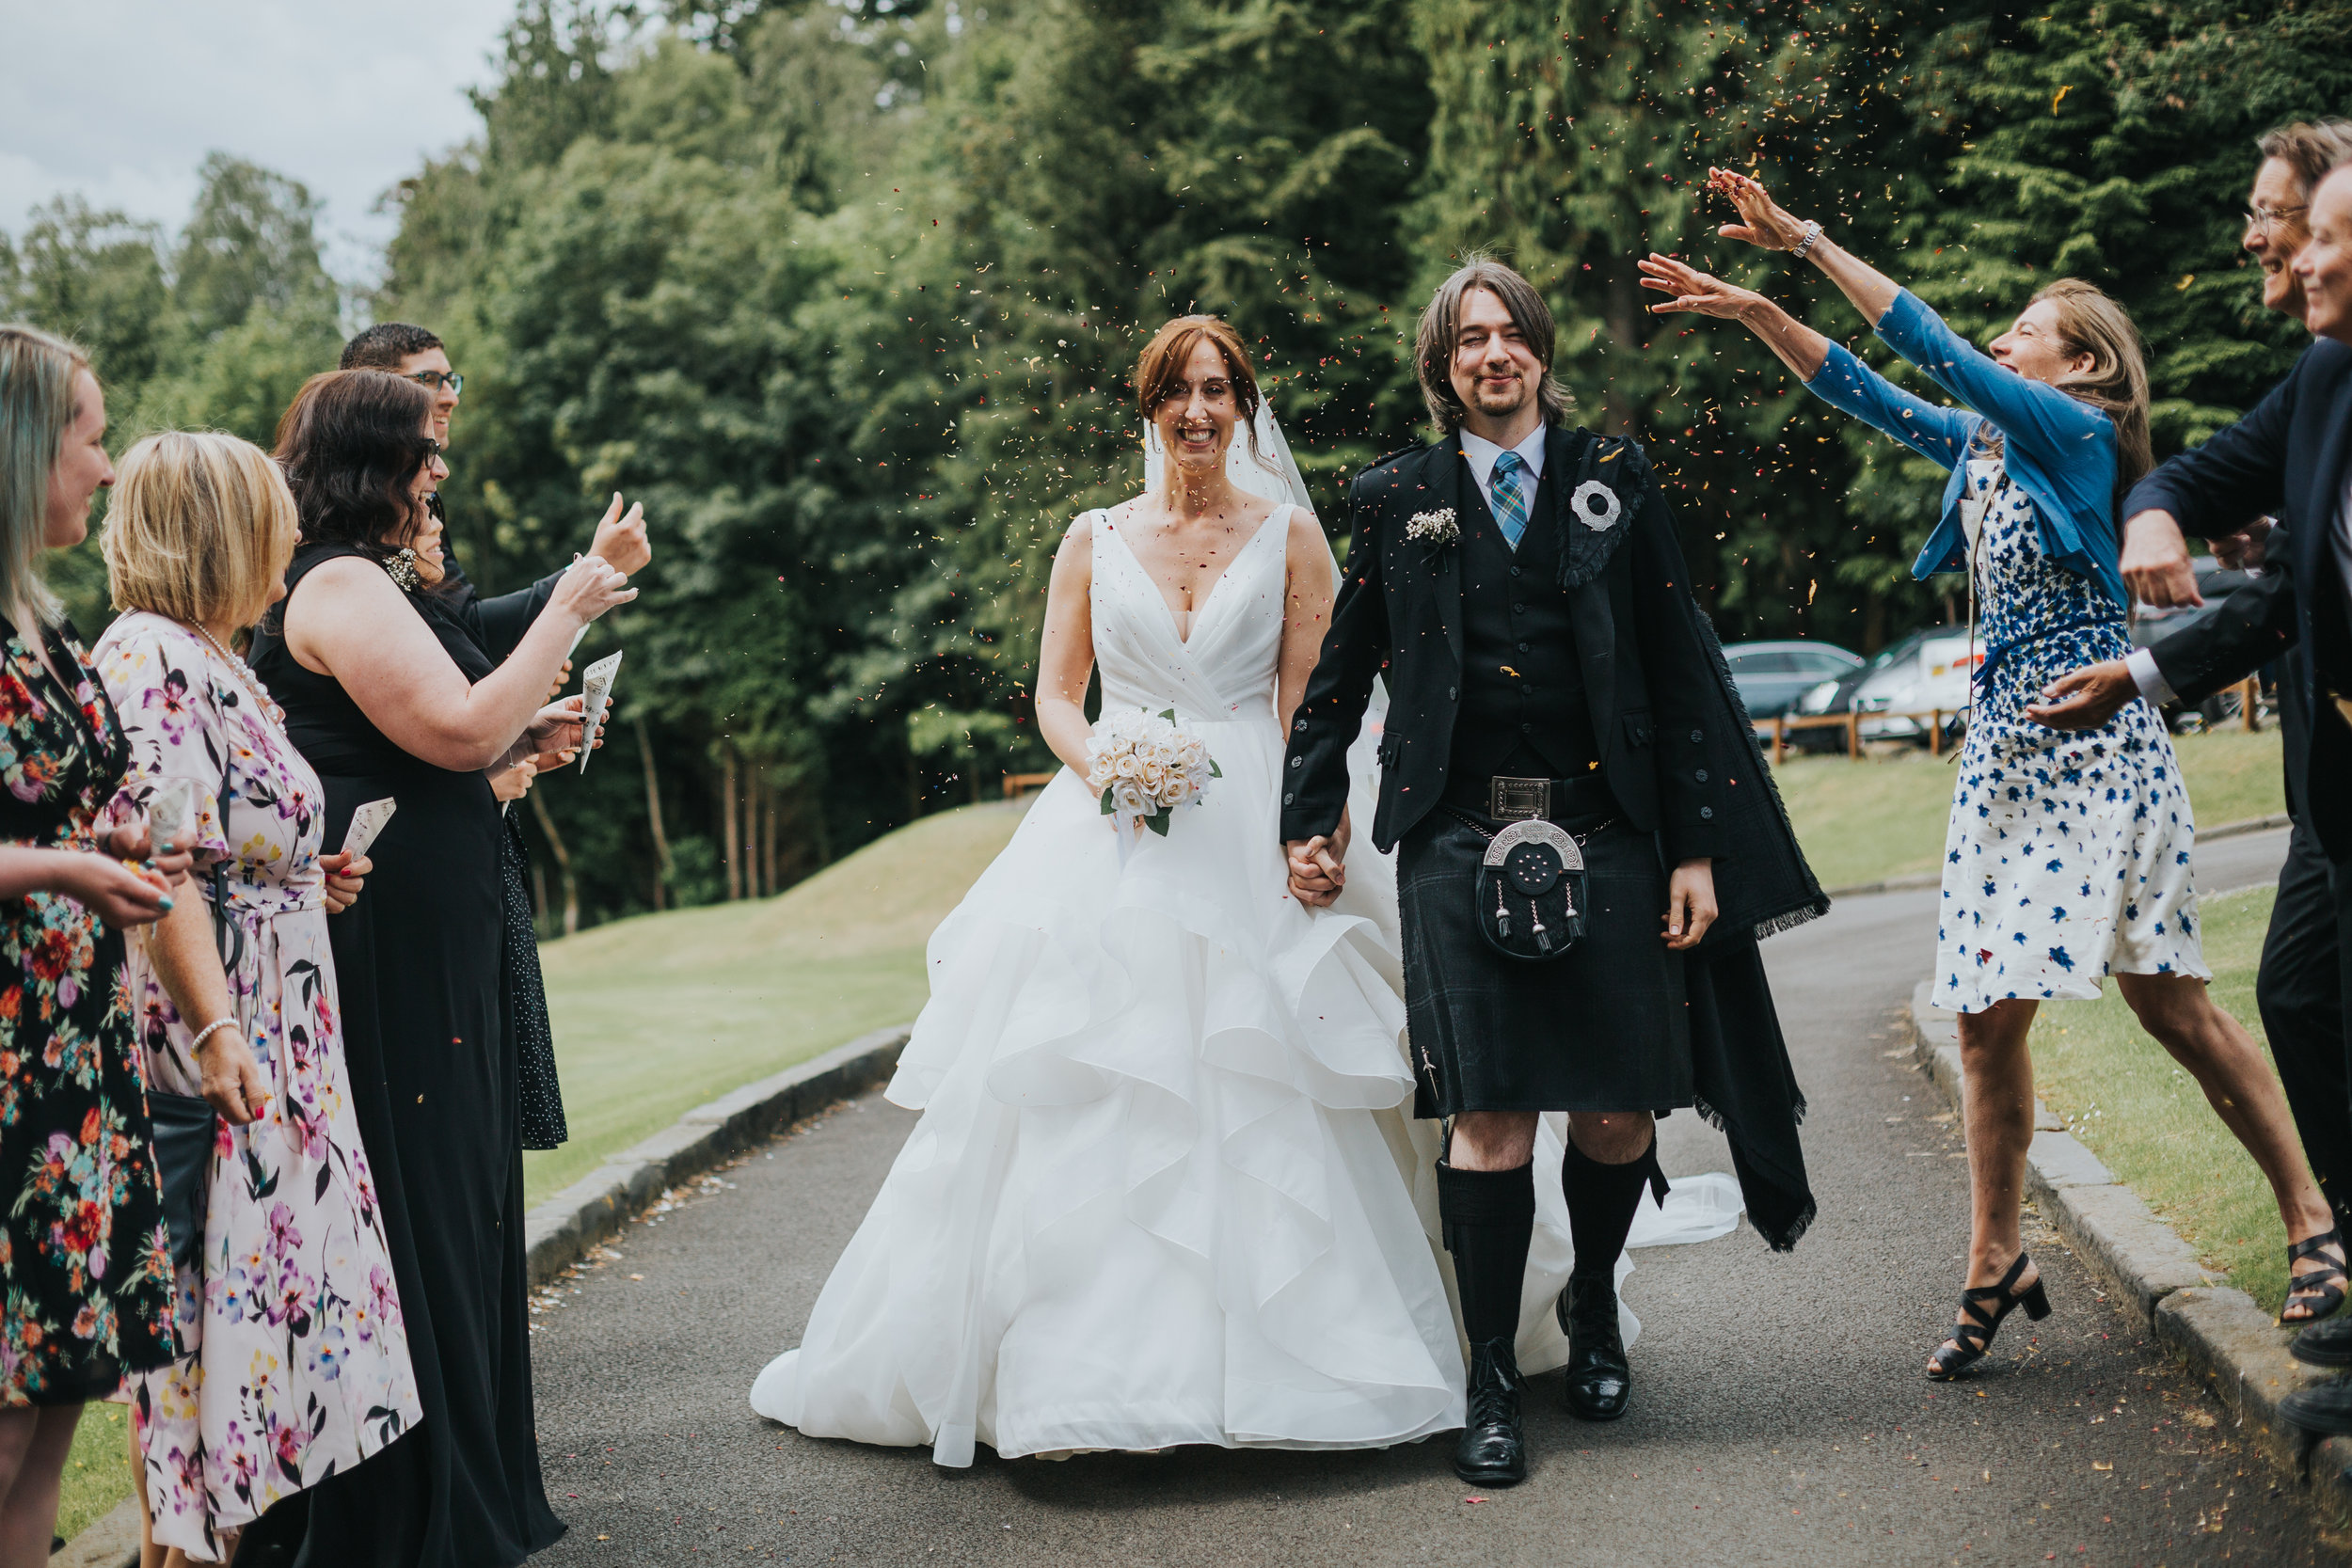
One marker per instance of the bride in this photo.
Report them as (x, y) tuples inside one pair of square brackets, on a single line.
[(1162, 1191)]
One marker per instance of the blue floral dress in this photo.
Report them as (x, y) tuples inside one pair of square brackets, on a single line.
[(83, 1261), (2067, 858), (294, 1355)]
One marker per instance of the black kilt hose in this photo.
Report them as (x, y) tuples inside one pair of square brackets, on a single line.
[(1605, 1026), (1577, 654)]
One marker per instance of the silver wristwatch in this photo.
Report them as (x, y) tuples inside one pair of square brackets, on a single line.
[(1812, 232)]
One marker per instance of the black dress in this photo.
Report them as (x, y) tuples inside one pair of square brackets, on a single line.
[(432, 1050)]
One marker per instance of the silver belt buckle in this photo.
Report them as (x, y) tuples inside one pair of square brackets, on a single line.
[(1518, 799)]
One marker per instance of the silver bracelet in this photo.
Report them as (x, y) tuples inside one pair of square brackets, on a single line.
[(208, 1032), (1812, 232)]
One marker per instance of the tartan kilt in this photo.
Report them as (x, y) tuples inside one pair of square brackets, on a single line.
[(1603, 1027)]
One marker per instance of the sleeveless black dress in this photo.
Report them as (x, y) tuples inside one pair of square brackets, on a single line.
[(432, 1053)]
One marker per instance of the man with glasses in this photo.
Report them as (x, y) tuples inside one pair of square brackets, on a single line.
[(2299, 990), (416, 354)]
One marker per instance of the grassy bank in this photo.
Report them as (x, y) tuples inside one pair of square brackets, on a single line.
[(656, 1015), (1865, 821), (2147, 1121)]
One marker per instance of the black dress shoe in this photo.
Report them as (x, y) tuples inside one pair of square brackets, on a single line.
[(2327, 1344), (1493, 1451), (2325, 1408), (1600, 1379)]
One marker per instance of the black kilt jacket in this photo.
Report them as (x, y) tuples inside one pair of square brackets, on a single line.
[(1675, 741), (1649, 678)]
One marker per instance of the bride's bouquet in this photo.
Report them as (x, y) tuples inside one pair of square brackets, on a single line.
[(1144, 766)]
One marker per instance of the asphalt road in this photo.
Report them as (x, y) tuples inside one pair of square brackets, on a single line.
[(1779, 1413)]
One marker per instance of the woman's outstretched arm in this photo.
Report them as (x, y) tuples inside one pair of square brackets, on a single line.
[(1830, 372)]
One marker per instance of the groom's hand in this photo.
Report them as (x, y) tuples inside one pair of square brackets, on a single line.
[(1318, 869), (1690, 903)]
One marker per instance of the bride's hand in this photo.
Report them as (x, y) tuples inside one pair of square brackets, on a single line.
[(1694, 291), (1763, 222)]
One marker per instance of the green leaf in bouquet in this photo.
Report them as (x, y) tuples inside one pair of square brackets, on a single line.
[(1214, 771), (1168, 714), (1107, 807), (1157, 824)]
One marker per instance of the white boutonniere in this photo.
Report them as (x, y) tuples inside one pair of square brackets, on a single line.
[(1435, 529), (1596, 506)]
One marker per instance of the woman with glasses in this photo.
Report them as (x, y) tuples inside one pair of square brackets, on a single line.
[(2067, 856), (389, 700)]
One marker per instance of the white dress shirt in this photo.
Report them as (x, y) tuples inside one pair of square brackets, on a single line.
[(1483, 452)]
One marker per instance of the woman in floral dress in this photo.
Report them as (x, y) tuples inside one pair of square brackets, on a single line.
[(2067, 857), (293, 1361), (84, 1272)]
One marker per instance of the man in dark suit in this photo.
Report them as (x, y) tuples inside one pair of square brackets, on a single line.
[(2292, 456), (1521, 585)]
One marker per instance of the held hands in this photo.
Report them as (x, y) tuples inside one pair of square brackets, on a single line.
[(1318, 865), (557, 729), (232, 1079), (2155, 561), (344, 875), (131, 842), (510, 785), (1690, 903), (622, 540), (589, 588), (2087, 698)]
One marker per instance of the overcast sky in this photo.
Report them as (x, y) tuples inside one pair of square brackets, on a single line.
[(121, 99)]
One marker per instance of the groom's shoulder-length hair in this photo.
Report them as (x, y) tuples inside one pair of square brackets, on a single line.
[(1433, 346)]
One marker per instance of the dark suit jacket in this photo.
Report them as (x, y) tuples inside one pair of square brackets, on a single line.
[(2247, 631), (1647, 678), (2289, 458), (497, 623)]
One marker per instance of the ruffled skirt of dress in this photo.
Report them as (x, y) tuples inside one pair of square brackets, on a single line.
[(1165, 1189)]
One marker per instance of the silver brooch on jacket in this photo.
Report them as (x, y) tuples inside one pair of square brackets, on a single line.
[(402, 569), (1596, 506), (1434, 528)]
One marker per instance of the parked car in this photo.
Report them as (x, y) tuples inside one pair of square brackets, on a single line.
[(1773, 675), (1920, 674)]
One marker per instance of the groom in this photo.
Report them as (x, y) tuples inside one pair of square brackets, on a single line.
[(1520, 584)]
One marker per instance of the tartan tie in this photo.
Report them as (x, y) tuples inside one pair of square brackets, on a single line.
[(1510, 489)]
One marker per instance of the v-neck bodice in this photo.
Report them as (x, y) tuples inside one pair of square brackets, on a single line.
[(1226, 668)]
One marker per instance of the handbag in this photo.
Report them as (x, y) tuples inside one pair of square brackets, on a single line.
[(184, 1124), (1533, 890)]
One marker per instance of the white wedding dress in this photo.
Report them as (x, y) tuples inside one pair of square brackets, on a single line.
[(1162, 1191)]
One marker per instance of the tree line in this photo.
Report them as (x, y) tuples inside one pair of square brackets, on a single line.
[(846, 293)]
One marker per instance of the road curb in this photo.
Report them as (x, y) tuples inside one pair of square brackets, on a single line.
[(2229, 1343), (1935, 879), (557, 1231)]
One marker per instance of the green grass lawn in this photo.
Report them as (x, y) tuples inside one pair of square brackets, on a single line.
[(2147, 1121), (1862, 822), (98, 1471), (656, 1015)]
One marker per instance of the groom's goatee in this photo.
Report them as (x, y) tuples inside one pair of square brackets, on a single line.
[(1433, 344)]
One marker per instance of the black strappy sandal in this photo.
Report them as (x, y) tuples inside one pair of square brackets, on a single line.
[(2321, 1289), (1971, 1336)]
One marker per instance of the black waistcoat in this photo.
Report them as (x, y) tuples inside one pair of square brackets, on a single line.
[(1523, 705)]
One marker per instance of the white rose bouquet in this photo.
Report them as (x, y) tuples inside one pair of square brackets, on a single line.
[(1144, 766)]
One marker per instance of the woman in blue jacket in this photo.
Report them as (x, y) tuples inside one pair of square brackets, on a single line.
[(2067, 857)]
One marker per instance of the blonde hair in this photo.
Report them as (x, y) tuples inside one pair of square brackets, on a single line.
[(37, 409), (200, 529)]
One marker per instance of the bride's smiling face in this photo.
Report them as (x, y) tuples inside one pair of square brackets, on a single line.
[(1197, 417)]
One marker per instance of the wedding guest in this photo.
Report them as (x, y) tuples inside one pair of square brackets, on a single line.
[(496, 626), (84, 1268), (292, 1361), (2297, 987), (387, 697), (2067, 859)]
